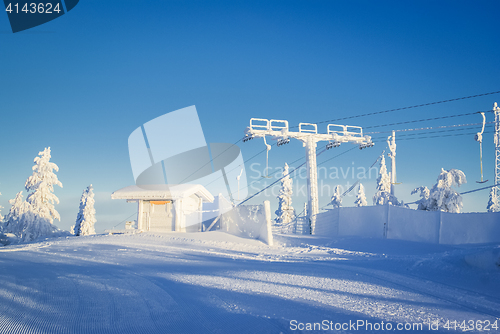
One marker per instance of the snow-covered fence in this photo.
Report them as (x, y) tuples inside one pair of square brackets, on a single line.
[(301, 225), (327, 223), (248, 221), (364, 221), (392, 222), (413, 225), (352, 221), (469, 228)]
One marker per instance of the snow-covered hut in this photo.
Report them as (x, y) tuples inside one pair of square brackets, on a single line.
[(164, 208)]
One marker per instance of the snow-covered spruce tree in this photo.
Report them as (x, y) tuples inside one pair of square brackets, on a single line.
[(85, 219), (336, 198), (383, 194), (361, 197), (493, 205), (285, 213), (423, 202), (40, 186), (13, 219), (444, 198)]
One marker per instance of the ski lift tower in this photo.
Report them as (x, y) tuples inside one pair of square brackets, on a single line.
[(309, 136), (391, 142), (496, 110)]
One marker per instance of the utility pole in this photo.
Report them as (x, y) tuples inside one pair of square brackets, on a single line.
[(391, 142), (309, 136)]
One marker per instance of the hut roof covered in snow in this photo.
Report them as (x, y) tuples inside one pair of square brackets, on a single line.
[(163, 191)]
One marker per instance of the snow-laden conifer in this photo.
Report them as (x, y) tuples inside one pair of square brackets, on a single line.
[(41, 187), (39, 213), (285, 213), (493, 205), (424, 197), (13, 218), (383, 194), (442, 197), (361, 197), (336, 198), (35, 226), (85, 219)]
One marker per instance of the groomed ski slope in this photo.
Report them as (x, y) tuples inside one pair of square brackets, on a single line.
[(217, 283)]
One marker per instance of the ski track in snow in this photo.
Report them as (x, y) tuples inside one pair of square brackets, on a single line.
[(173, 283)]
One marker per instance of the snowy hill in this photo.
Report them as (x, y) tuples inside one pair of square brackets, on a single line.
[(218, 283)]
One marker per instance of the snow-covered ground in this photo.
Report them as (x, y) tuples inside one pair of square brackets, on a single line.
[(218, 283)]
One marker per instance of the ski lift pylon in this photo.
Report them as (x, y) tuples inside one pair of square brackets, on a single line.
[(479, 137), (268, 148), (238, 179)]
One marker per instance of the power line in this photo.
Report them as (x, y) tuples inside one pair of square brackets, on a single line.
[(472, 191), (338, 155), (244, 162), (295, 169), (421, 120), (431, 128), (257, 193), (406, 108), (135, 213), (426, 137), (429, 132), (374, 126), (256, 181), (211, 160)]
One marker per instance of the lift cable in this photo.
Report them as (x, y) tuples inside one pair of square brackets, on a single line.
[(238, 166), (290, 165), (406, 108), (429, 128), (429, 132), (211, 160), (381, 138), (293, 171), (422, 120), (134, 214), (472, 191), (437, 136)]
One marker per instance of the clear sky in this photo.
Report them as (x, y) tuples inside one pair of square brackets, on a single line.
[(83, 82)]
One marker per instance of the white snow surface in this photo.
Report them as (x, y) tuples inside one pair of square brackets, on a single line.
[(214, 282)]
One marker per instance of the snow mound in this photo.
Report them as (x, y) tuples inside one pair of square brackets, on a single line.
[(489, 259)]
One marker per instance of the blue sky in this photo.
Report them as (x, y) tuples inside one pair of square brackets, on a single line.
[(82, 83)]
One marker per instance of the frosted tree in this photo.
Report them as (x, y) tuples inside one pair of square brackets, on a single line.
[(85, 219), (361, 197), (34, 226), (383, 194), (13, 219), (442, 197), (37, 220), (336, 198), (285, 213), (493, 205), (424, 200), (41, 185)]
